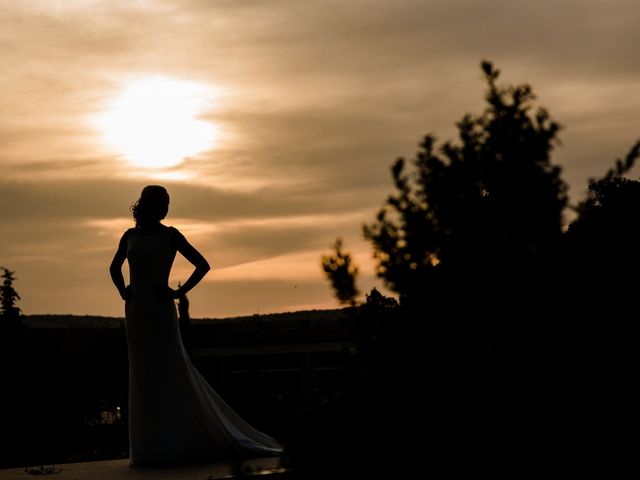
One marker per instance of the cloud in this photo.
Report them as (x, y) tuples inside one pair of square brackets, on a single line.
[(111, 198)]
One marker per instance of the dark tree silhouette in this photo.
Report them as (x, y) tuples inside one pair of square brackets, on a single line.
[(474, 232), (471, 233), (13, 366), (602, 250), (490, 203), (341, 272), (595, 343), (603, 242), (9, 312)]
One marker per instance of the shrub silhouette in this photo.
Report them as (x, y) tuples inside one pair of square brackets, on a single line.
[(341, 273)]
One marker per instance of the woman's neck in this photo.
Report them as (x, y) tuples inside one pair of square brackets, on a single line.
[(151, 227)]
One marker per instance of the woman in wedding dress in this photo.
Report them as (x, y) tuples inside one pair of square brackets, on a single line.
[(175, 416)]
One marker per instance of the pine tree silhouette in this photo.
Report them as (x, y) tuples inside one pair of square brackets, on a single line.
[(9, 312)]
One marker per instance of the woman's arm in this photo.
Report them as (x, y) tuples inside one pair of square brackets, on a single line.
[(116, 267), (197, 260)]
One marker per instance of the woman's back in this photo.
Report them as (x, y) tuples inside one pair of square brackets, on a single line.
[(150, 257)]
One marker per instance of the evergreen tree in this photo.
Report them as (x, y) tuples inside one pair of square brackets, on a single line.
[(9, 312)]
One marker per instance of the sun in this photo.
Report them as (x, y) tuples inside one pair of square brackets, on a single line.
[(153, 123)]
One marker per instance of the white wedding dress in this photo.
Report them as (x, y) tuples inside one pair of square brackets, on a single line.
[(175, 416)]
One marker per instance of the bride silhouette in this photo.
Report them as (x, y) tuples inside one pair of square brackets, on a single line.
[(175, 416)]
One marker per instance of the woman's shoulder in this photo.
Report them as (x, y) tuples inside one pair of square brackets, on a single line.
[(174, 231), (176, 235), (124, 239)]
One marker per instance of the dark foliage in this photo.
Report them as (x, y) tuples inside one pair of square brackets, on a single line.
[(9, 311), (602, 243), (596, 344), (351, 434), (12, 364), (341, 273)]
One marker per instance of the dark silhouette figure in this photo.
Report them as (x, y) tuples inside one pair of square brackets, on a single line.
[(175, 416)]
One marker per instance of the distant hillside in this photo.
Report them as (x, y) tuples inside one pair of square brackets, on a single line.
[(71, 321), (303, 315), (95, 321), (81, 333)]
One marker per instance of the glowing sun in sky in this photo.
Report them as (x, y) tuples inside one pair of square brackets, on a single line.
[(153, 123)]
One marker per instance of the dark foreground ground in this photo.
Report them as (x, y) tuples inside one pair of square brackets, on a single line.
[(264, 468), (67, 379)]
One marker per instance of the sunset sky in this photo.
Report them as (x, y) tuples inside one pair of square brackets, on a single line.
[(272, 124)]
